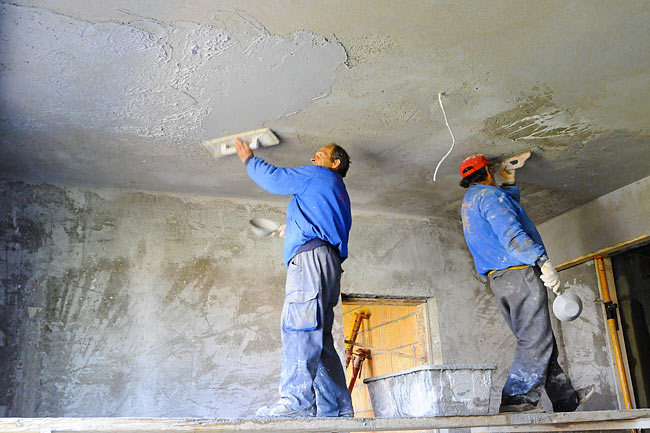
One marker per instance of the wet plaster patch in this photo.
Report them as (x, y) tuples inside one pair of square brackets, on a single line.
[(538, 121), (166, 83), (570, 153)]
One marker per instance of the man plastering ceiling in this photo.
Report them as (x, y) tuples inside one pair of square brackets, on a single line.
[(507, 248), (312, 379)]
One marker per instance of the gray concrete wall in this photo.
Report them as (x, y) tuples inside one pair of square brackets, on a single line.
[(619, 216), (121, 303), (583, 343)]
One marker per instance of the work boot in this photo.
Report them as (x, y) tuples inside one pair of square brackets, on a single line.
[(585, 394), (521, 407), (279, 410)]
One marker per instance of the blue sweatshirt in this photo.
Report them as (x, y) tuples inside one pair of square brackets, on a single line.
[(497, 230), (319, 208)]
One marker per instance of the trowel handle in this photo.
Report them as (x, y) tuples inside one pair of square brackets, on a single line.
[(516, 161)]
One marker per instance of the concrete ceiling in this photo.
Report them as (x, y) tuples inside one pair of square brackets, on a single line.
[(119, 93)]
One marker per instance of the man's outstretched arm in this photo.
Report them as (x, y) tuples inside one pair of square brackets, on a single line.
[(276, 180)]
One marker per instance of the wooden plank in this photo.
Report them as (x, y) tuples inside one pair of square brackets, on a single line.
[(398, 312), (433, 328), (564, 427), (568, 421), (383, 301), (382, 322), (606, 251), (421, 331)]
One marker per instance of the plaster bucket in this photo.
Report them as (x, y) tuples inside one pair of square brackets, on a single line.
[(432, 390), (263, 227), (567, 306)]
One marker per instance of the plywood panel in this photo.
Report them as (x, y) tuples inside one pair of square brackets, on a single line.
[(393, 327)]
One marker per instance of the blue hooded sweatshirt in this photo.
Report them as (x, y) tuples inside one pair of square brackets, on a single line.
[(497, 230), (319, 208)]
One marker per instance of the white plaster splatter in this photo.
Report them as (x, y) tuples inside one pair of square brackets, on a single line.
[(551, 124)]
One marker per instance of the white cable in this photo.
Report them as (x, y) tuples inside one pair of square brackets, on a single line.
[(453, 139)]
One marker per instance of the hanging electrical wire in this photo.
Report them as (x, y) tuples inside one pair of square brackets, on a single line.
[(453, 139)]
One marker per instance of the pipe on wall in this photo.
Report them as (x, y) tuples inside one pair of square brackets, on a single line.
[(610, 310)]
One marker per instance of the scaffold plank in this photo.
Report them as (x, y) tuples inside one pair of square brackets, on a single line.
[(540, 422)]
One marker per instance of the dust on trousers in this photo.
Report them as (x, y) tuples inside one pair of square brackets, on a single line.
[(312, 375), (523, 300)]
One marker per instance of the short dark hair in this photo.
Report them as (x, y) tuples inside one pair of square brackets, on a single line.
[(339, 153), (478, 176)]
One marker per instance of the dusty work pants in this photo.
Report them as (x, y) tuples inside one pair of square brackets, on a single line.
[(523, 300), (312, 375)]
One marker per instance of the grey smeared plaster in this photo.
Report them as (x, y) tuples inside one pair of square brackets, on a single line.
[(177, 82), (121, 94)]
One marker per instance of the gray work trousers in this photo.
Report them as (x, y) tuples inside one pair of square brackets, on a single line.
[(523, 300), (312, 375)]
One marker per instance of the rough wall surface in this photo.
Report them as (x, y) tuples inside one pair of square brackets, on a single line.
[(137, 304), (125, 303), (118, 303), (617, 217), (583, 343)]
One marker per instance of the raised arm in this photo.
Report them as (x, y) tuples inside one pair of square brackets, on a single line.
[(276, 180)]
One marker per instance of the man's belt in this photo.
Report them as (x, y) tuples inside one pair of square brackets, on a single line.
[(509, 269)]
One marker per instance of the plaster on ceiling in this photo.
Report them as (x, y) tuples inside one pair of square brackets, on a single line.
[(116, 94)]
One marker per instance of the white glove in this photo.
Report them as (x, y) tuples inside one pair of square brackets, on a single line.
[(550, 278)]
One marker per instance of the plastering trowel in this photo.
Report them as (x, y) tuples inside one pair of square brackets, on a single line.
[(516, 161), (226, 145)]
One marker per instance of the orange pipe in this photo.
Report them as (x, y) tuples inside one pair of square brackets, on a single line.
[(622, 377)]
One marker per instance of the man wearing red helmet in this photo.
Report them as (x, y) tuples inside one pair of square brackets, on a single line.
[(508, 249)]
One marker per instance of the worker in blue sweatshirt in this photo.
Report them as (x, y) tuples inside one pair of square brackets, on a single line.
[(508, 249), (312, 379)]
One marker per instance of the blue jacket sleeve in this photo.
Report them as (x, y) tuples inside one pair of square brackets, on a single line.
[(277, 180), (513, 191), (499, 212)]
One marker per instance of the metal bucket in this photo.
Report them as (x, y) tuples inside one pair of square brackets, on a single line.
[(432, 390)]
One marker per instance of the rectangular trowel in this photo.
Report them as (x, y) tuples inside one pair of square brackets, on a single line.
[(226, 145), (516, 161)]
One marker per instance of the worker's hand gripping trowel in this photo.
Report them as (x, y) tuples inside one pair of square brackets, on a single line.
[(515, 162), (509, 165)]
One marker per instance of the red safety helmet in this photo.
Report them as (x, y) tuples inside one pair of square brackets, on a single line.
[(473, 163)]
